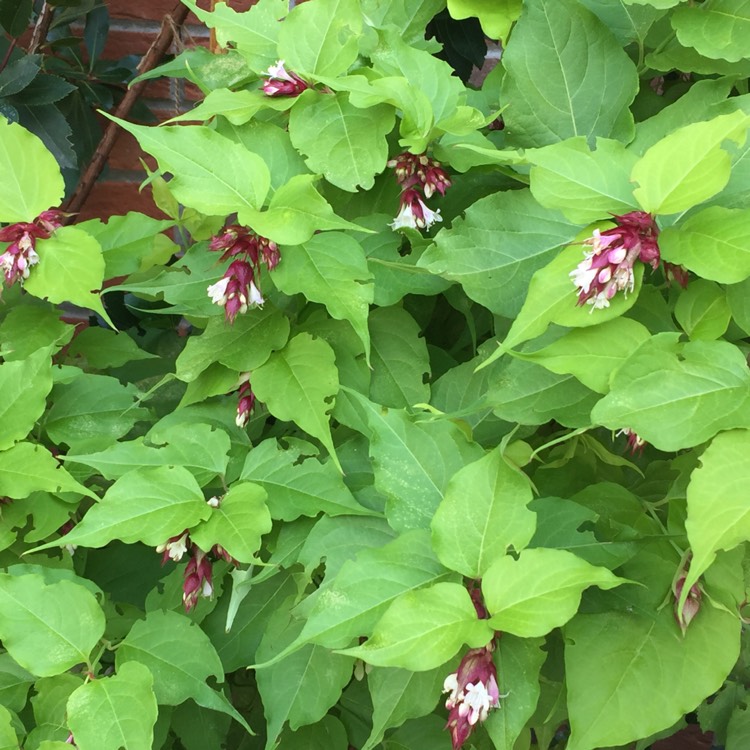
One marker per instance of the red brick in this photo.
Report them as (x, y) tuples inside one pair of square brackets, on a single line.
[(112, 198)]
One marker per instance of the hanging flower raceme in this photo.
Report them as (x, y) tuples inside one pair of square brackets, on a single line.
[(636, 443), (608, 266), (692, 602), (280, 82), (20, 255), (245, 402), (420, 178), (473, 692), (238, 290), (197, 581)]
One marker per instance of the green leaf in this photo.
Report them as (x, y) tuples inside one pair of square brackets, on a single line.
[(689, 165), (496, 17), (237, 525), (399, 695), (299, 384), (331, 269), (738, 730), (716, 513), (198, 447), (53, 129), (102, 348), (355, 599), (70, 269), (676, 395), (16, 76), (321, 39), (409, 19), (328, 734), (25, 385), (627, 23), (631, 673), (400, 361), (423, 629), (33, 182), (713, 243), (482, 514), (413, 462), (298, 487), (295, 213), (15, 682), (236, 107), (15, 15), (8, 737), (130, 243), (584, 185), (243, 346), (180, 658), (271, 143), (540, 591), (212, 174), (717, 28), (28, 328), (49, 707), (237, 647), (27, 468), (702, 310), (48, 628), (254, 33), (519, 661), (300, 688), (345, 144), (115, 712), (90, 410), (495, 249), (566, 76), (591, 354), (145, 505), (552, 299)]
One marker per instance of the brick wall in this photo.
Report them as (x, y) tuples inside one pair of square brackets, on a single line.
[(133, 26)]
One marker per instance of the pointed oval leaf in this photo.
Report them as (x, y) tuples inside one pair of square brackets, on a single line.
[(48, 628), (299, 384), (482, 513), (180, 657), (237, 524), (566, 76), (689, 165), (716, 29), (32, 181), (115, 712), (423, 629), (145, 505), (713, 243), (540, 591)]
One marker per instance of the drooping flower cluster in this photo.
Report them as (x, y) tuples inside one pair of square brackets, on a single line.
[(636, 443), (245, 402), (238, 290), (608, 266), (420, 177), (280, 82), (197, 581), (473, 691), (692, 603), (21, 255)]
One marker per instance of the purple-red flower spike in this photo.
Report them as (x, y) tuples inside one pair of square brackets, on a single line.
[(197, 580), (420, 178), (175, 547), (281, 82), (608, 266), (245, 404), (636, 443), (473, 692), (20, 255), (239, 289)]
